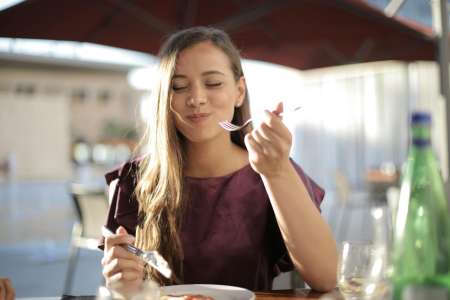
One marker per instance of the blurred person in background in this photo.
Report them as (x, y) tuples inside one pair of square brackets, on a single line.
[(222, 207), (6, 289)]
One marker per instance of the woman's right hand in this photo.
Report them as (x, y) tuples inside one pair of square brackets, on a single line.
[(122, 270)]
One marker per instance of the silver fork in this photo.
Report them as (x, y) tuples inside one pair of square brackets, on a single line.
[(153, 258), (232, 127)]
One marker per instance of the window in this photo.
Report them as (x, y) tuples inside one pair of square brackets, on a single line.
[(79, 96)]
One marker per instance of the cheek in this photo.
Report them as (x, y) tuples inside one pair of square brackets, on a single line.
[(226, 105), (223, 100), (177, 120), (176, 108), (181, 126), (224, 109), (175, 103)]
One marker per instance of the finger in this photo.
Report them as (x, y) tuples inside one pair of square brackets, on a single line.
[(267, 146), (271, 119), (120, 253), (269, 134), (2, 289), (9, 290), (121, 230), (279, 108), (120, 265), (252, 145), (279, 144), (117, 239), (124, 276), (275, 123)]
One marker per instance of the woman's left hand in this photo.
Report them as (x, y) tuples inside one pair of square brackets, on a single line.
[(269, 144)]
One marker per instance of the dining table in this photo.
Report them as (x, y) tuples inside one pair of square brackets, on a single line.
[(298, 294), (291, 294)]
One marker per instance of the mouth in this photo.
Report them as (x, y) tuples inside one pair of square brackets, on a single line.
[(197, 118)]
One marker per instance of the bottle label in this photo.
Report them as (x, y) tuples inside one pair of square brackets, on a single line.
[(421, 142)]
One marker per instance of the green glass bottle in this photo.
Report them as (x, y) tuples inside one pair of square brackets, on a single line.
[(421, 249)]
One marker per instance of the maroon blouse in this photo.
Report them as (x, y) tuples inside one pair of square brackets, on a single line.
[(229, 233)]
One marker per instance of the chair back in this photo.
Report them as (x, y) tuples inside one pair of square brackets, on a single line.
[(91, 206), (342, 188)]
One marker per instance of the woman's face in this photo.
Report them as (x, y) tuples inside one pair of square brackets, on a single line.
[(204, 92)]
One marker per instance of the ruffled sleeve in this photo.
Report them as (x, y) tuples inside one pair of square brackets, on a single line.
[(280, 256), (315, 191), (123, 209)]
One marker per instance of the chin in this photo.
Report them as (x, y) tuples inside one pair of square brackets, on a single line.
[(197, 139), (201, 137)]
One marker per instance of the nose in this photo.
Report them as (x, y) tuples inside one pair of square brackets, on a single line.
[(197, 96)]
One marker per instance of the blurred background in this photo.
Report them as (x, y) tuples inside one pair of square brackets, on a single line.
[(73, 106)]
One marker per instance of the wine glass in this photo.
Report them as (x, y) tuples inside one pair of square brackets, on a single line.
[(363, 265), (147, 290)]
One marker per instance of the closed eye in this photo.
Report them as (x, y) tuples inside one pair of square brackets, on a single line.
[(176, 88), (213, 84)]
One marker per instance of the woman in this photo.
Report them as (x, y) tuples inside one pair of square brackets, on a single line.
[(221, 207)]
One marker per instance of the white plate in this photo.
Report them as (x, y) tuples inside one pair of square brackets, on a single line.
[(218, 292)]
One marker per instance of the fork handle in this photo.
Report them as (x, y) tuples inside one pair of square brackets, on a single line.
[(132, 249)]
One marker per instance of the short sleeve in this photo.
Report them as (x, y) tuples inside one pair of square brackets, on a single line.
[(123, 209), (315, 191), (280, 259)]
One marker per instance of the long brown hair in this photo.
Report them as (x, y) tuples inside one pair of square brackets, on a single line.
[(160, 190)]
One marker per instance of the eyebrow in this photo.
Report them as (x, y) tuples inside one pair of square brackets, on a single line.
[(212, 72)]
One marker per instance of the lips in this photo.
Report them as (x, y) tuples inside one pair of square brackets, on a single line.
[(197, 118)]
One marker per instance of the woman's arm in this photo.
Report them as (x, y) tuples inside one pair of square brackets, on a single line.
[(307, 236)]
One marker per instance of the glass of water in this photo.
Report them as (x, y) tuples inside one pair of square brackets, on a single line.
[(363, 266)]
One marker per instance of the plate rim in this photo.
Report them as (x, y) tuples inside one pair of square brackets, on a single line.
[(253, 296)]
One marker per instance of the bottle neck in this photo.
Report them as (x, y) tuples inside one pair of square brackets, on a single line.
[(421, 135)]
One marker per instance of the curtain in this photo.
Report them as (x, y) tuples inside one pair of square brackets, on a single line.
[(352, 118)]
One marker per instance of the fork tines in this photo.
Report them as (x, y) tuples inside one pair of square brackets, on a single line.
[(228, 126)]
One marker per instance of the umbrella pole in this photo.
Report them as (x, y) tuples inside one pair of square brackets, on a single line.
[(440, 26)]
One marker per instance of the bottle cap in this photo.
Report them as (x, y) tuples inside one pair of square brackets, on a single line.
[(420, 117)]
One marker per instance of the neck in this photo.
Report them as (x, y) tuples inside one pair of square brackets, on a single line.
[(214, 158)]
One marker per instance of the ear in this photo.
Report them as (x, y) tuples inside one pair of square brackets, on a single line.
[(241, 91)]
